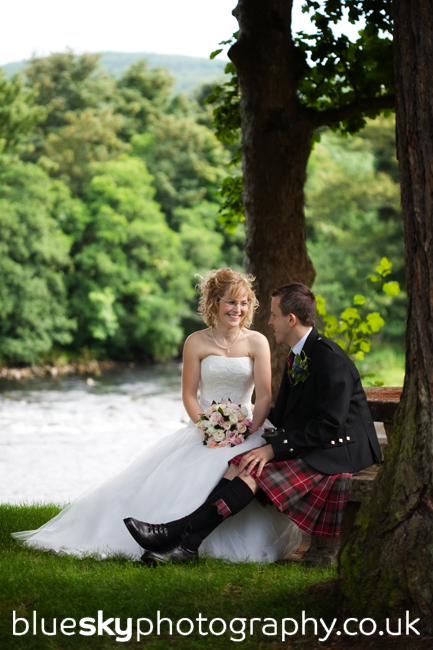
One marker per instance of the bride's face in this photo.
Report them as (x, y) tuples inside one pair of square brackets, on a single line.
[(232, 311)]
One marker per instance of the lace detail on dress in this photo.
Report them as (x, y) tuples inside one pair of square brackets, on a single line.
[(226, 377)]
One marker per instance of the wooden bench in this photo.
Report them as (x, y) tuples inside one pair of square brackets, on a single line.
[(383, 403)]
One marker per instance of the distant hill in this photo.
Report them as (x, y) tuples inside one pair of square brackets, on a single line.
[(189, 72)]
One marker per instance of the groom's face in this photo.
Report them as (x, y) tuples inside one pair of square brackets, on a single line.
[(280, 323)]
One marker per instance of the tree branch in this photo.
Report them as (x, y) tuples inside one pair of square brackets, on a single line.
[(335, 115)]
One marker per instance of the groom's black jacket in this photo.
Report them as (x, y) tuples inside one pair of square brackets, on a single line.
[(326, 418)]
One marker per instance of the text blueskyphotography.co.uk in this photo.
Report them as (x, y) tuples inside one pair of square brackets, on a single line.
[(238, 628)]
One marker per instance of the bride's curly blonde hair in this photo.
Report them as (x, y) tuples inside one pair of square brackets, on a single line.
[(231, 284)]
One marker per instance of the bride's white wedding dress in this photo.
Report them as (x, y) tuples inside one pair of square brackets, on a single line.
[(170, 479)]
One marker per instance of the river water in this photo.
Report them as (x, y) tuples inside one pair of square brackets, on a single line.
[(60, 437)]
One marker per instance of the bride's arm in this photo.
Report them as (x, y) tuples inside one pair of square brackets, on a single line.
[(262, 379), (191, 377)]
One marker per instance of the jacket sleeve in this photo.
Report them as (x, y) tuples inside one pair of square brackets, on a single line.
[(334, 382)]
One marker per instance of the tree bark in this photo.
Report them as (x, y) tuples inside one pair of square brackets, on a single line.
[(276, 144), (387, 565)]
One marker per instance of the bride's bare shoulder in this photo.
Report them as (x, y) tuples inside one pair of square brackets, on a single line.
[(197, 342), (257, 342), (256, 337)]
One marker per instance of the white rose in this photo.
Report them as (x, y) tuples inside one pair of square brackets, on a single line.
[(211, 429), (244, 411), (219, 435), (233, 419)]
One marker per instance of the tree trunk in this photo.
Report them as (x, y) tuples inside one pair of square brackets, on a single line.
[(387, 565), (276, 144)]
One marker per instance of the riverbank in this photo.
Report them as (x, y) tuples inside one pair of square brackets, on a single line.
[(54, 370), (386, 364)]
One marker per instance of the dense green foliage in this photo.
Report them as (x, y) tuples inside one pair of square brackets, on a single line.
[(108, 215), (355, 326), (354, 219), (189, 72), (131, 283), (109, 207), (17, 114), (33, 260)]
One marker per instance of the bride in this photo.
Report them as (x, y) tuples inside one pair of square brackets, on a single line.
[(168, 480)]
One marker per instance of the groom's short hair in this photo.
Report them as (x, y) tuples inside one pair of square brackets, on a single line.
[(296, 298)]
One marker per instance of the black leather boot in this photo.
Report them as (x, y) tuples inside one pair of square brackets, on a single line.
[(160, 536), (155, 536), (235, 496)]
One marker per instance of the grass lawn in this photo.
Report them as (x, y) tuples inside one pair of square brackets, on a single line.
[(66, 587), (35, 585)]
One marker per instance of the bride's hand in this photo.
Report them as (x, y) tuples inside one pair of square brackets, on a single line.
[(256, 457)]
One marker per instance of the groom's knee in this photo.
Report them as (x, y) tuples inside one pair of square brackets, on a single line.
[(232, 472)]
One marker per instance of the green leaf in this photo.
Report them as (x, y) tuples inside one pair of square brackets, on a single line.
[(359, 300), (331, 328), (384, 267), (350, 315), (215, 53), (375, 321), (320, 305), (391, 288), (365, 328), (365, 345)]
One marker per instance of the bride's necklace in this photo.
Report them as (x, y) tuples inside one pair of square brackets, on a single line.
[(223, 347)]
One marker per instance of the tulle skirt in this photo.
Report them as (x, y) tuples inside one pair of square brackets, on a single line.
[(170, 479)]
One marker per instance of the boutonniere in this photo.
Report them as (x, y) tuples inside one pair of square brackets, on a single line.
[(299, 371)]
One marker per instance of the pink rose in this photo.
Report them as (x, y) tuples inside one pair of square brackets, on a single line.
[(212, 444), (249, 423), (232, 435), (226, 425), (225, 443), (216, 418), (242, 428)]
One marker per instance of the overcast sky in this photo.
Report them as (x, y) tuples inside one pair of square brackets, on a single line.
[(190, 27)]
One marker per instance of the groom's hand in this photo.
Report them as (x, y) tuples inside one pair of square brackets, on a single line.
[(256, 458)]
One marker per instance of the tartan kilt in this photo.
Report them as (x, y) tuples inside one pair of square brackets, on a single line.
[(315, 502)]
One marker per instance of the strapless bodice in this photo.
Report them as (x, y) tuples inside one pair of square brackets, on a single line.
[(226, 377)]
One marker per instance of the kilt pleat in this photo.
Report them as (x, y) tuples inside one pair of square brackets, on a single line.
[(314, 501)]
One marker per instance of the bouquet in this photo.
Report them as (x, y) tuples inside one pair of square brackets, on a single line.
[(224, 424)]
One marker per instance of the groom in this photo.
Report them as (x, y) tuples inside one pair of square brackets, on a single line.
[(324, 433)]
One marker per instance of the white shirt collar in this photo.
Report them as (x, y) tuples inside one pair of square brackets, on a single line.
[(297, 349)]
